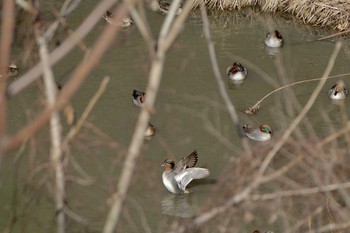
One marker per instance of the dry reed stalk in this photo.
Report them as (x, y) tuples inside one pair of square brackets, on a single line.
[(55, 131), (168, 33), (334, 14), (222, 89), (255, 108)]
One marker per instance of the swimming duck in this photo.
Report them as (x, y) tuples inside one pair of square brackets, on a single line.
[(274, 39), (12, 70), (138, 97), (236, 72), (164, 7), (126, 22), (338, 91), (263, 133), (176, 178), (150, 131)]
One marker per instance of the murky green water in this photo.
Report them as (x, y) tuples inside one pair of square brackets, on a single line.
[(189, 115)]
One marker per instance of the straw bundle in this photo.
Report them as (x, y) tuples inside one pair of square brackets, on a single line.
[(334, 14)]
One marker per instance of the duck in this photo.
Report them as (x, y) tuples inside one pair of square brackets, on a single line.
[(126, 22), (263, 133), (12, 70), (236, 72), (176, 178), (274, 39), (150, 131), (138, 98), (164, 7), (338, 91)]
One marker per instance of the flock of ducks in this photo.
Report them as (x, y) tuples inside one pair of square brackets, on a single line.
[(237, 73), (176, 178)]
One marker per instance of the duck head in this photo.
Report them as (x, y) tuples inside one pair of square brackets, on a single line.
[(169, 164), (265, 129)]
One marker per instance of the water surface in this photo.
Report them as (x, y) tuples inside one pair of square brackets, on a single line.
[(189, 115)]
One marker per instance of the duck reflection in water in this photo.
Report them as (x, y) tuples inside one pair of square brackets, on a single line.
[(177, 205)]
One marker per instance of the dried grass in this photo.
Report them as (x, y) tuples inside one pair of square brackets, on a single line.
[(333, 14)]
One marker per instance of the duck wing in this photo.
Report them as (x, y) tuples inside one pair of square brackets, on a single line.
[(187, 162), (184, 177)]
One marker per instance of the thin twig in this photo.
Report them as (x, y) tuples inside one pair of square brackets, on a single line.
[(257, 104), (331, 227), (334, 35), (299, 192), (74, 130), (333, 136), (230, 107)]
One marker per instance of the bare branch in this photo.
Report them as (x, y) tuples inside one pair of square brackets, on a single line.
[(55, 130)]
